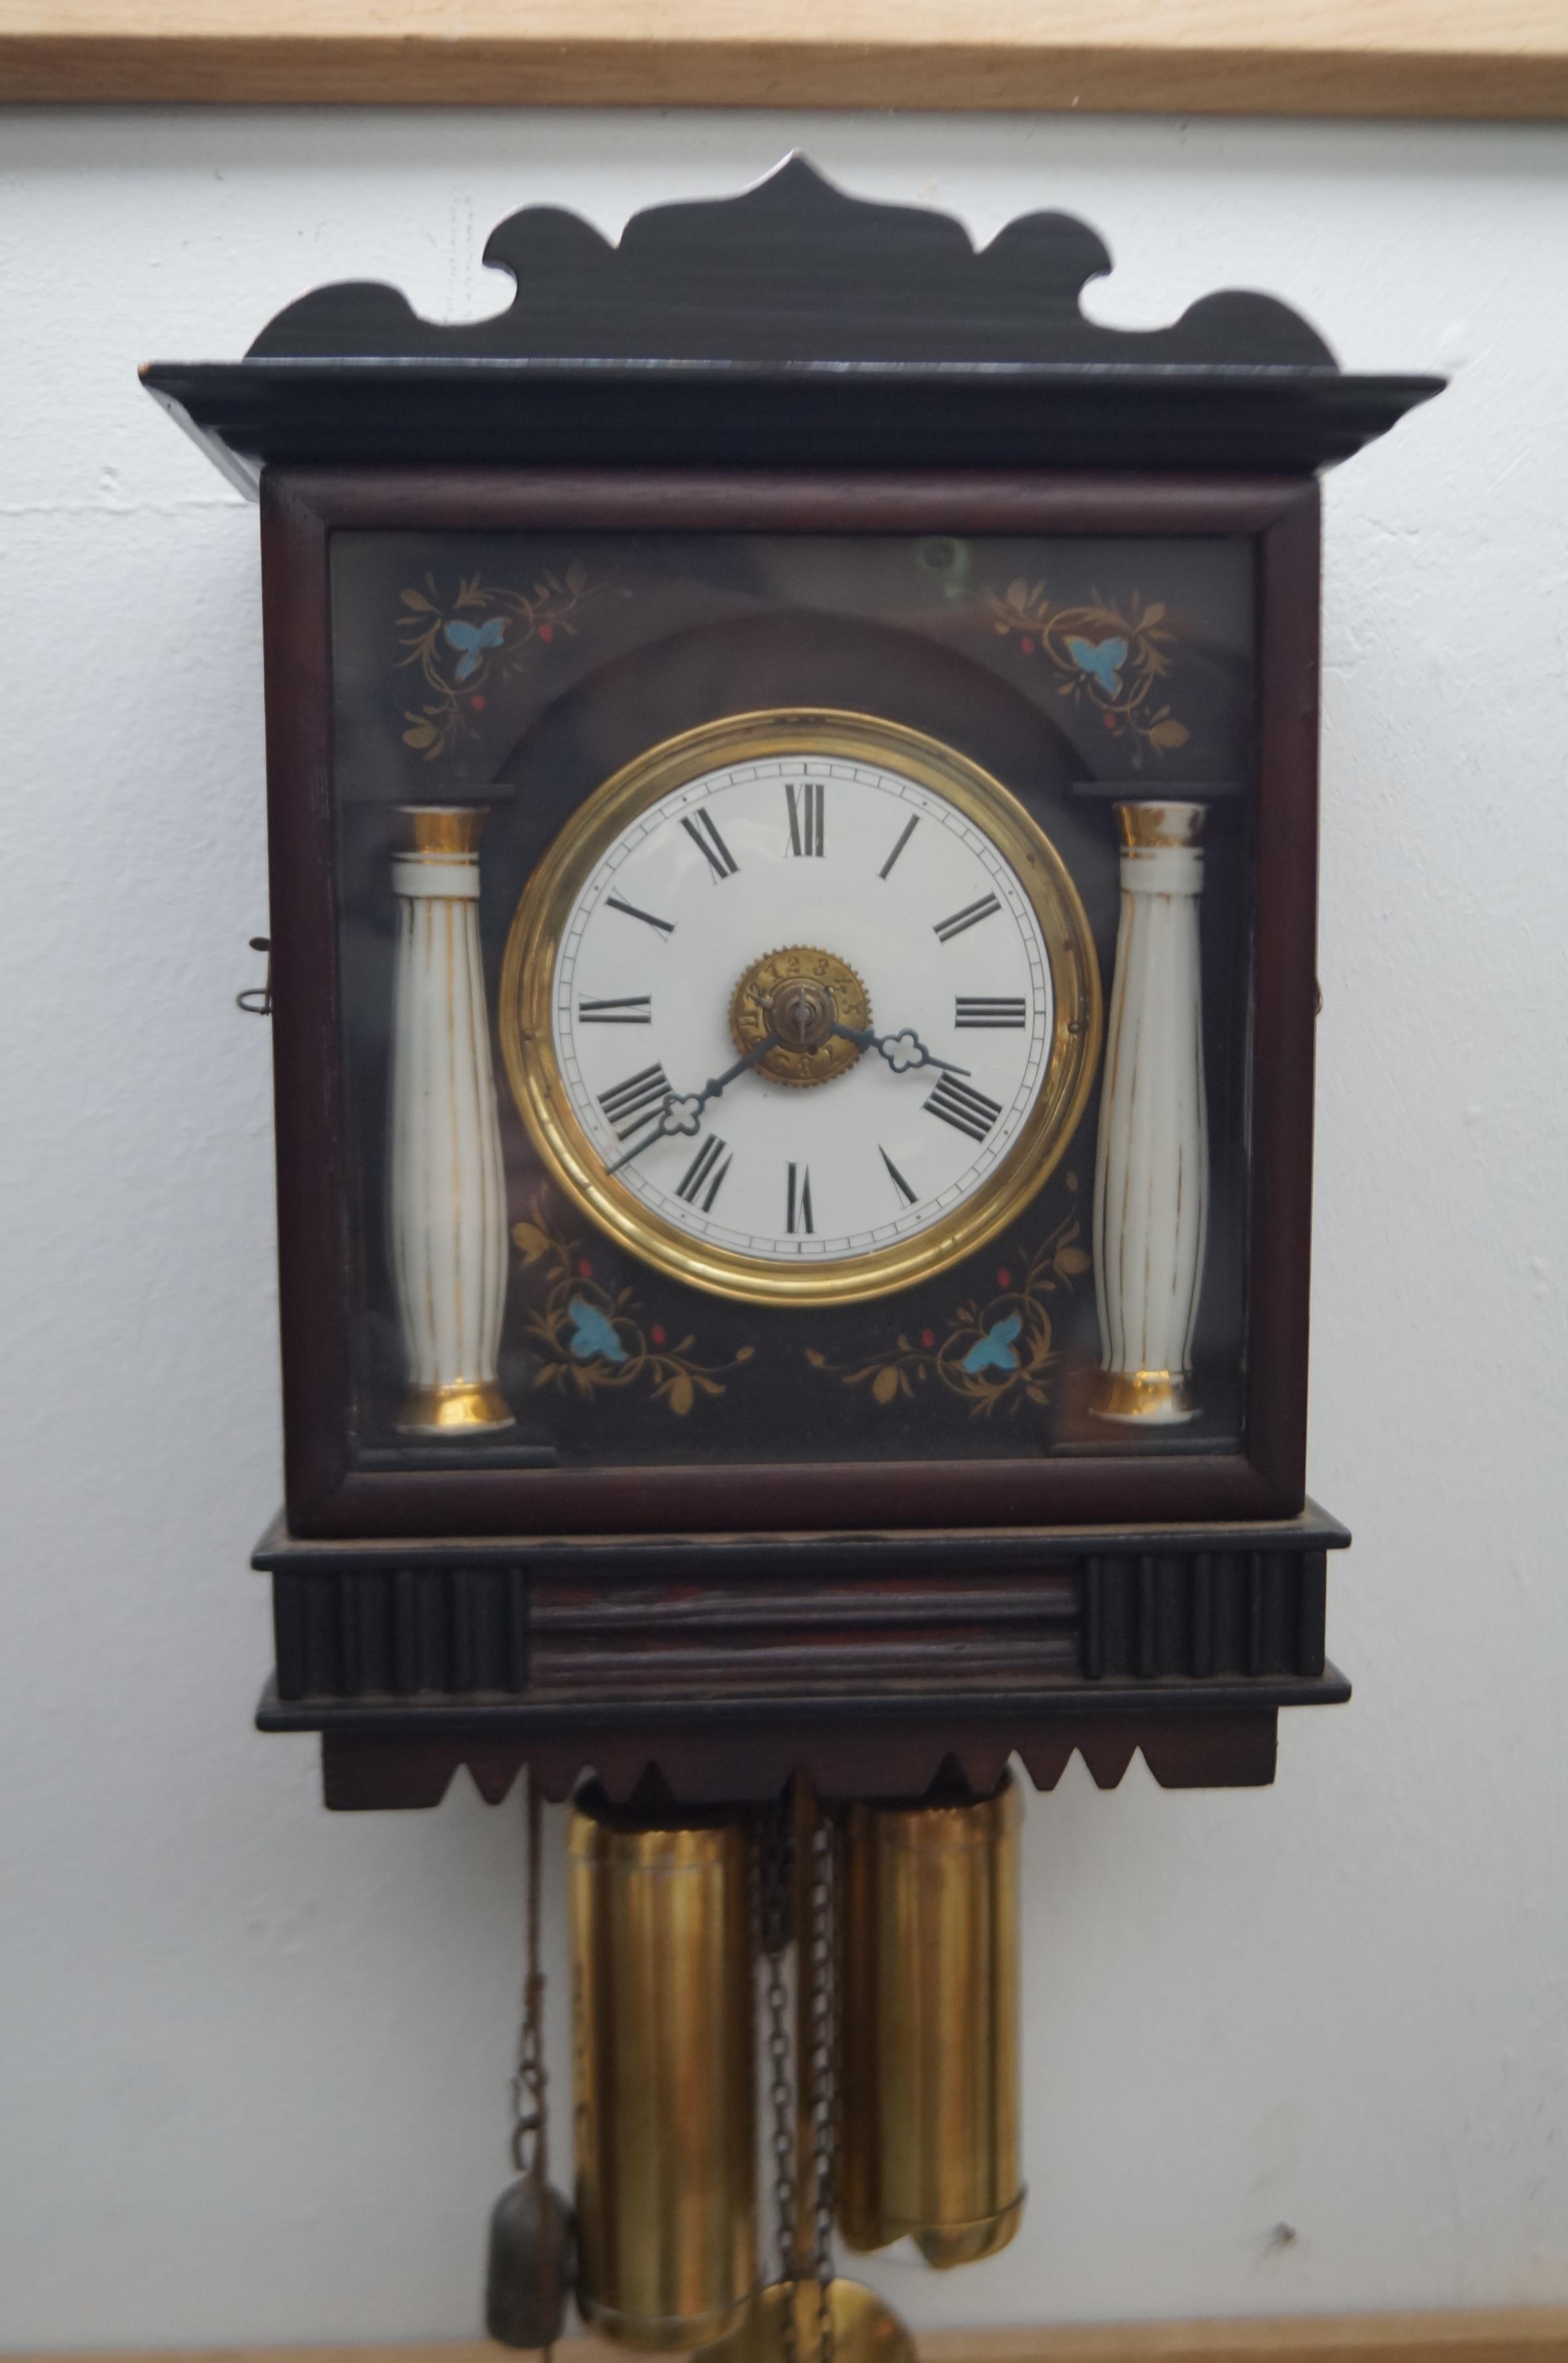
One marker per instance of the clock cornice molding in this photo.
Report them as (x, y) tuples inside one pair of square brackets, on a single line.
[(790, 322)]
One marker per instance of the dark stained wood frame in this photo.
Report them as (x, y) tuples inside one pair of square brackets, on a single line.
[(749, 1758), (301, 509)]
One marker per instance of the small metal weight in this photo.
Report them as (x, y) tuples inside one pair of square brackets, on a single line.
[(533, 2233), (533, 2263)]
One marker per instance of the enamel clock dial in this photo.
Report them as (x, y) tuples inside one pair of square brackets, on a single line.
[(802, 1007)]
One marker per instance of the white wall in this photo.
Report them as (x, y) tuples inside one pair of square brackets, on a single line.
[(253, 2059)]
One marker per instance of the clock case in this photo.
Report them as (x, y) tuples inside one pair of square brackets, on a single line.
[(791, 362)]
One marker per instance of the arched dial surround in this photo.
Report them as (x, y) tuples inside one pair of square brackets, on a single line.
[(802, 1007)]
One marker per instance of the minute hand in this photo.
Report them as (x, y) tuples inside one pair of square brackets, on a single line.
[(902, 1051), (681, 1112)]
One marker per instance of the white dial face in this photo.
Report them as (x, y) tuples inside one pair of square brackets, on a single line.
[(887, 879)]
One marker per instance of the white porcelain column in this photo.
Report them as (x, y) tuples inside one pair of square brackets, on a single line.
[(1151, 1192), (446, 1196)]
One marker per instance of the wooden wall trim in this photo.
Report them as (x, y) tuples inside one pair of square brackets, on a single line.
[(1433, 58), (1493, 2335), (1498, 2335)]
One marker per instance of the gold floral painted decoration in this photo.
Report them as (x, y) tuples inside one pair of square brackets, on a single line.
[(459, 647), (588, 1337), (995, 1354), (1109, 658)]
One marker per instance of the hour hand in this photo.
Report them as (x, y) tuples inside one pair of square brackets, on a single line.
[(902, 1051), (681, 1112)]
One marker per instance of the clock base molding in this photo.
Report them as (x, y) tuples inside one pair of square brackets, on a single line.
[(703, 1667), (736, 1758)]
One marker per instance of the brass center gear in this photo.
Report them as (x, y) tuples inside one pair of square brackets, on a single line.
[(800, 992)]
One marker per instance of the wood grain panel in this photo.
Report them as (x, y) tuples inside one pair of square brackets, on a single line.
[(1495, 2335), (1501, 2335), (1436, 58)]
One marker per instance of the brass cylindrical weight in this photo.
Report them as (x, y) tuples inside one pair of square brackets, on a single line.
[(662, 2022), (928, 2072)]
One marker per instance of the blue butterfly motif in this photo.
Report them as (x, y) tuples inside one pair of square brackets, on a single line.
[(473, 639), (995, 1351), (593, 1333), (1103, 659)]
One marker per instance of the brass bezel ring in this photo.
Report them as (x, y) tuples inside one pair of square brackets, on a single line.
[(528, 997)]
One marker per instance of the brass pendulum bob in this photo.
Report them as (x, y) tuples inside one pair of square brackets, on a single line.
[(810, 2314), (862, 2329), (532, 2238)]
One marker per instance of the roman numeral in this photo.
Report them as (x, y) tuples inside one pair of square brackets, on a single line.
[(701, 1176), (709, 843), (631, 1009), (635, 1102), (997, 1009), (962, 1107), (909, 830), (664, 927), (899, 1184), (798, 1213), (806, 801), (970, 916)]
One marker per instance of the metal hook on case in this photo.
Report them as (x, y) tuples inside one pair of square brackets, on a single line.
[(256, 1000)]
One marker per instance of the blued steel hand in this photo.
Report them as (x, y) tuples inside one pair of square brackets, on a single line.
[(902, 1051), (681, 1112)]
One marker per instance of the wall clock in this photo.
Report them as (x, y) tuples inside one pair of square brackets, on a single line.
[(793, 824)]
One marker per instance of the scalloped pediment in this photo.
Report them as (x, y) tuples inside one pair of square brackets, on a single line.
[(794, 269)]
